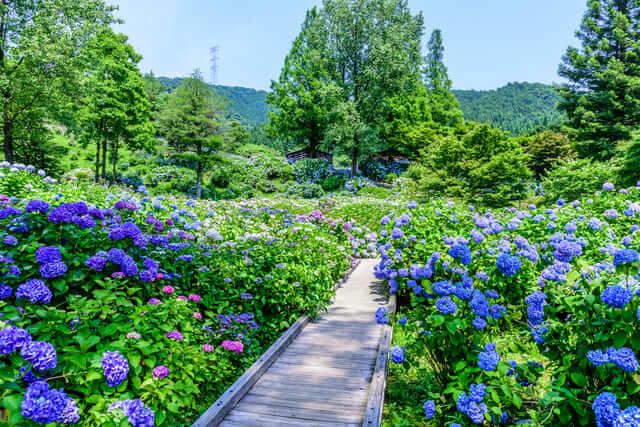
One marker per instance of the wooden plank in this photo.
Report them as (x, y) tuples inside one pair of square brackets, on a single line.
[(301, 389), (315, 380), (216, 412), (375, 402), (336, 415), (282, 395), (245, 419)]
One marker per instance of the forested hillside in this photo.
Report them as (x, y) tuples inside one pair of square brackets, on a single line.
[(517, 107), (249, 106)]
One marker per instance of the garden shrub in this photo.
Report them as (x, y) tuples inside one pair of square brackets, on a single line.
[(573, 179), (158, 299), (312, 170), (515, 316)]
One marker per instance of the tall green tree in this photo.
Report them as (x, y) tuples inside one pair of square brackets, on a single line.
[(375, 46), (40, 45), (445, 109), (191, 121), (602, 97), (303, 96), (115, 109)]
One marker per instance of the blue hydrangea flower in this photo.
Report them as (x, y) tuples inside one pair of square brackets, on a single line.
[(48, 254), (429, 409), (630, 417), (497, 311), (96, 263), (566, 250), (461, 252), (40, 354), (479, 304), (382, 316), (597, 357), (508, 265), (10, 240), (12, 339), (37, 206), (402, 320), (44, 405), (625, 256), (479, 323), (489, 358), (5, 291), (35, 291), (445, 305), (625, 359), (616, 296), (397, 354), (135, 411), (606, 409), (52, 270), (115, 367)]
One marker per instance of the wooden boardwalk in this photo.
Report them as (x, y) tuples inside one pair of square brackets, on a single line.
[(323, 377)]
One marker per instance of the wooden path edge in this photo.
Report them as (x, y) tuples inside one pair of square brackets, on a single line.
[(230, 398), (375, 402)]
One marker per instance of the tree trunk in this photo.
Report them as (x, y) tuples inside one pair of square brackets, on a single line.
[(97, 176), (7, 131), (354, 162), (114, 162), (104, 159), (198, 179)]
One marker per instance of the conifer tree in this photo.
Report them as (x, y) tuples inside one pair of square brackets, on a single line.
[(602, 96), (445, 109)]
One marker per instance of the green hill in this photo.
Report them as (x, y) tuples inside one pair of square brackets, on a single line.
[(517, 107), (249, 106)]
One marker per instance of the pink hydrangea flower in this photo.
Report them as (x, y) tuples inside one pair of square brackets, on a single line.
[(181, 298), (155, 301), (118, 275), (160, 276), (197, 315), (160, 372), (235, 346), (195, 297), (207, 348), (168, 289)]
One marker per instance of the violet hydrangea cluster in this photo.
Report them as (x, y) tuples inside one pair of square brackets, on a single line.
[(115, 367), (45, 405), (135, 411)]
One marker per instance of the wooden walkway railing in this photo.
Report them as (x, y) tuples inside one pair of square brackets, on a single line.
[(329, 372)]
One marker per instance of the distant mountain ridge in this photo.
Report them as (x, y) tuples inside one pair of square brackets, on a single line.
[(249, 106), (518, 108)]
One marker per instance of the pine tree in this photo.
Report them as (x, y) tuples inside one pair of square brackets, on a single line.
[(302, 98), (191, 122), (602, 98), (445, 109)]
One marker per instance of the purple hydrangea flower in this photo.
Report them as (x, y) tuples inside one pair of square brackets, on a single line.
[(115, 367), (37, 206), (40, 354), (160, 372), (35, 291), (96, 263), (12, 339), (10, 240), (174, 335)]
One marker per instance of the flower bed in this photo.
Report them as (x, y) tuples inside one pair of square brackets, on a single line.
[(135, 310), (515, 317)]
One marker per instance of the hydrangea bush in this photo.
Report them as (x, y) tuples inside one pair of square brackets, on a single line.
[(519, 316), (144, 310)]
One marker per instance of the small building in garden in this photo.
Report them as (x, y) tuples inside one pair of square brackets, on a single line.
[(306, 153)]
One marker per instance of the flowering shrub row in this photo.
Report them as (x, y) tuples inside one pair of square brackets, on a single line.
[(522, 316), (143, 311)]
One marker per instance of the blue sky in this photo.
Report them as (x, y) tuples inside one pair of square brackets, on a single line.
[(488, 42)]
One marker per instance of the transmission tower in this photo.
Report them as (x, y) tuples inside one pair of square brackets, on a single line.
[(214, 58)]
